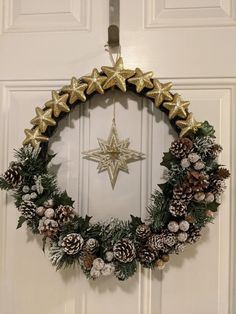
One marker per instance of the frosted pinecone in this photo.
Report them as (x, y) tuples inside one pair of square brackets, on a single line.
[(146, 256), (193, 234), (12, 176), (183, 193), (86, 260), (72, 243), (48, 227), (170, 239), (124, 250), (198, 181), (179, 248), (27, 209), (64, 214), (143, 231), (177, 208), (207, 147), (156, 242), (181, 147), (91, 246)]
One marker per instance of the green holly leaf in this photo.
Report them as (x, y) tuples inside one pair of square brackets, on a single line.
[(21, 220), (168, 159), (135, 221), (63, 199), (213, 206), (206, 130)]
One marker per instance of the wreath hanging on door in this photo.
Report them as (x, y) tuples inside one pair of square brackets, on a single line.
[(178, 209)]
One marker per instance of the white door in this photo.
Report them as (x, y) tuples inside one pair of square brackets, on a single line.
[(44, 43)]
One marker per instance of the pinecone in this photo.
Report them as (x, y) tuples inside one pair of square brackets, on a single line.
[(198, 181), (12, 175), (183, 193), (72, 243), (181, 147), (170, 239), (177, 208), (124, 250), (179, 248), (146, 256), (214, 151), (64, 214), (193, 234), (48, 227), (87, 260), (91, 246), (156, 242), (143, 231), (223, 173), (27, 209)]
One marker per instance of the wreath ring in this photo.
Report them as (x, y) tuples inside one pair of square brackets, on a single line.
[(179, 208)]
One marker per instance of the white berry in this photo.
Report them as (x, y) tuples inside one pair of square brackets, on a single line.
[(185, 163), (184, 225), (40, 210), (173, 226), (193, 157), (98, 263), (199, 165), (49, 213), (209, 197), (182, 236)]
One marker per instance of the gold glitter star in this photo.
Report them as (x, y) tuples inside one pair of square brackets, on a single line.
[(95, 82), (177, 107), (188, 125), (113, 155), (58, 103), (43, 119), (141, 80), (117, 75), (160, 92), (34, 137), (75, 90)]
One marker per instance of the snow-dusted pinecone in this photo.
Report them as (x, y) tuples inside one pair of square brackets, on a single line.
[(193, 234), (179, 248), (86, 260), (170, 239), (146, 256), (124, 250), (72, 243), (143, 231), (48, 227), (177, 208), (181, 147), (198, 181), (207, 147), (64, 214), (183, 193), (156, 242), (27, 209), (12, 175), (91, 246)]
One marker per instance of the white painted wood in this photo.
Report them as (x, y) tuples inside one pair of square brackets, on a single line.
[(42, 44)]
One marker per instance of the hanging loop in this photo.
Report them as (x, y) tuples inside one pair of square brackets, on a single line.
[(114, 26)]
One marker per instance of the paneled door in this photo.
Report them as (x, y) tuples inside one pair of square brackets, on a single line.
[(43, 44)]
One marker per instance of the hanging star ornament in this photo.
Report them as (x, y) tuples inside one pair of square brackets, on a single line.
[(43, 119), (188, 125), (95, 82), (58, 103), (34, 137), (117, 75), (160, 92), (75, 90), (177, 107), (113, 155), (141, 80)]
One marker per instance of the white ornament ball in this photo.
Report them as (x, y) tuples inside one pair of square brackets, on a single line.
[(185, 163), (48, 203), (108, 269), (26, 197), (184, 225), (98, 263), (40, 210), (94, 273), (49, 213), (199, 165), (25, 189), (199, 197), (182, 236), (33, 195), (173, 226), (193, 157), (209, 197), (109, 256)]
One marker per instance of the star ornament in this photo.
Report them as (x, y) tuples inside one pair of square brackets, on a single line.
[(188, 125), (141, 80), (58, 103), (75, 90), (177, 107), (160, 92), (117, 75), (34, 137), (113, 155), (43, 119), (95, 82)]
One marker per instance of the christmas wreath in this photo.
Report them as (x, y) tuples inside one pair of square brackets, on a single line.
[(178, 209)]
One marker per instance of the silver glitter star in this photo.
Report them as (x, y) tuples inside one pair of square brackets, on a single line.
[(113, 155)]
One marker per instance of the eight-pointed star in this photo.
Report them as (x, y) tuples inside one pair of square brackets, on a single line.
[(113, 155)]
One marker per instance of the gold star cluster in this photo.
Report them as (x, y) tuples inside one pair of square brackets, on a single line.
[(98, 82)]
